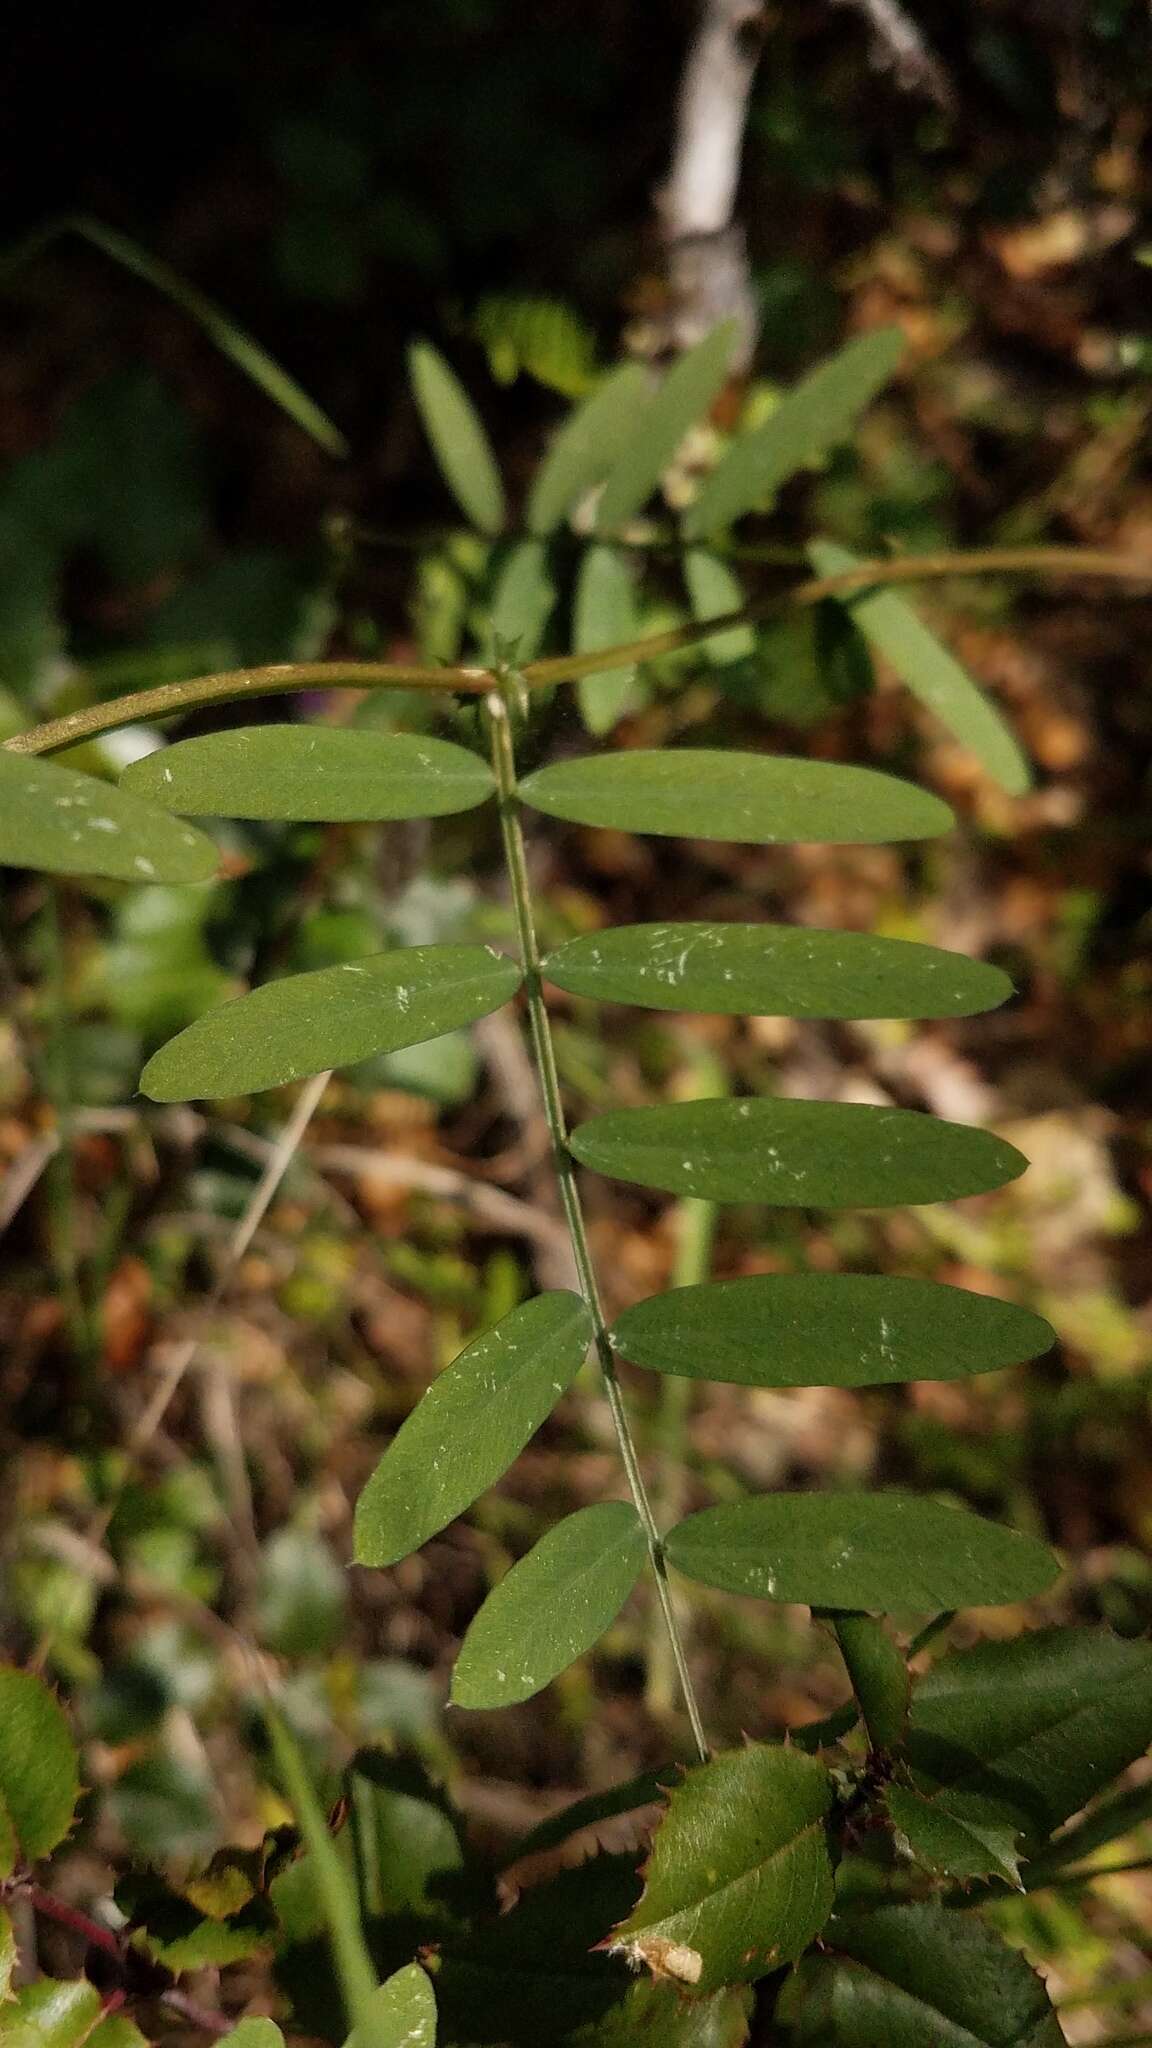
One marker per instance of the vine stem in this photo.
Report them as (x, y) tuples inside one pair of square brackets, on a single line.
[(516, 863)]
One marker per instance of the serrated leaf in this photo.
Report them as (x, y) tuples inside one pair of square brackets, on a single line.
[(683, 398), (714, 590), (917, 1977), (179, 1935), (739, 1880), (552, 1606), (39, 1776), (401, 2015), (459, 442), (52, 2014), (950, 1846), (522, 603), (796, 1155), (869, 1552), (827, 1330), (585, 447), (772, 970), (933, 674), (63, 823), (654, 2015), (330, 1018), (311, 772), (709, 793), (1025, 1732), (605, 614), (820, 411), (472, 1422), (254, 2034)]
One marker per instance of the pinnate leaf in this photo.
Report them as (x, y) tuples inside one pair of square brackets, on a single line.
[(711, 793), (586, 446), (605, 615), (460, 444), (872, 1552), (39, 1779), (53, 819), (330, 1018), (890, 625), (773, 970), (311, 772), (820, 411), (402, 2014), (683, 398), (473, 1421), (1025, 1732), (827, 1330), (917, 1977), (806, 1155), (739, 1880), (551, 1607)]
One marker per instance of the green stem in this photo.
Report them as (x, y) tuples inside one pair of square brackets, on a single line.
[(354, 1965), (504, 767), (168, 699)]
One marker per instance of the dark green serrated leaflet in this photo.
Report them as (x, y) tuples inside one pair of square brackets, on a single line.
[(63, 823), (1025, 1732), (39, 1782), (739, 1880), (796, 1155), (827, 1330), (869, 1552), (312, 773), (473, 1421), (551, 1607), (708, 793), (950, 1845), (331, 1018), (917, 1977), (772, 970)]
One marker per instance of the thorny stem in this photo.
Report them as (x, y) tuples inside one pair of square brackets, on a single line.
[(95, 1935), (504, 767), (168, 699)]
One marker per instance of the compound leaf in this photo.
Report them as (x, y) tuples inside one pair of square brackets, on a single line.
[(330, 1018), (551, 1607), (473, 1421)]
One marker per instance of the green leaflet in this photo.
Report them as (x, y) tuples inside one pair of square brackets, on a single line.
[(311, 772), (39, 1777), (254, 2034), (917, 1977), (655, 2015), (605, 615), (709, 793), (585, 446), (551, 1607), (330, 1018), (931, 672), (682, 399), (796, 1155), (713, 591), (54, 819), (1025, 1732), (459, 442), (51, 2014), (472, 1422), (401, 2015), (951, 1846), (820, 411), (874, 1552), (772, 970), (739, 1879), (827, 1330), (8, 1952), (522, 603)]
